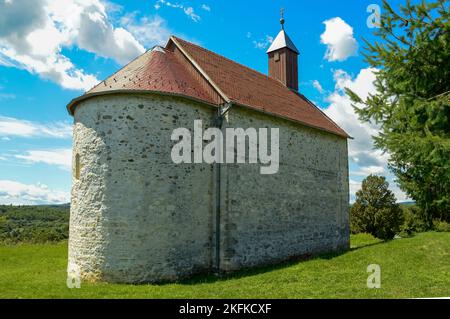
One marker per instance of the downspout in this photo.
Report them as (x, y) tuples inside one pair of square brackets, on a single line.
[(218, 121), (219, 124)]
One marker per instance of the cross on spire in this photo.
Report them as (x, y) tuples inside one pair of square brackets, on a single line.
[(282, 18)]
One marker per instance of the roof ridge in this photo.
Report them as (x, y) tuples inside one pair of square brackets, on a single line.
[(263, 76), (240, 64), (232, 61), (188, 56)]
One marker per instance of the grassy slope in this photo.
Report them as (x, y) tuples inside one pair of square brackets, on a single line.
[(411, 267)]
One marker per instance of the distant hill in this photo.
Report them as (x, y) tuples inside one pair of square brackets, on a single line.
[(407, 203), (54, 205)]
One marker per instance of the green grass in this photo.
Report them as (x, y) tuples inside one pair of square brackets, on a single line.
[(410, 267)]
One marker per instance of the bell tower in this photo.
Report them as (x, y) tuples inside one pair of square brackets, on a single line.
[(283, 59)]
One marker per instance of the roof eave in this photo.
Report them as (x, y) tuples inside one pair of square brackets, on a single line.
[(74, 102), (344, 135), (324, 114)]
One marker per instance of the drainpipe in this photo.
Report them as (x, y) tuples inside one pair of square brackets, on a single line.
[(219, 123)]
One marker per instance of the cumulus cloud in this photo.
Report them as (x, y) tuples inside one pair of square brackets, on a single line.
[(356, 186), (361, 149), (362, 153), (10, 127), (338, 37), (62, 158), (97, 35), (12, 192), (30, 39), (34, 33), (189, 11)]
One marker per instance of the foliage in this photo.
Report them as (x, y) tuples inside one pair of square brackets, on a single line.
[(375, 210), (414, 220), (35, 224), (412, 102), (442, 226)]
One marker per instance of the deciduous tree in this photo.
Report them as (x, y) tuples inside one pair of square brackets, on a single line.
[(375, 210)]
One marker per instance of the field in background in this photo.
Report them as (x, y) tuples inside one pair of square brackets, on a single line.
[(33, 224), (410, 267)]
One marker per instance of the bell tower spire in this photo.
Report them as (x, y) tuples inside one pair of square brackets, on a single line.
[(283, 58)]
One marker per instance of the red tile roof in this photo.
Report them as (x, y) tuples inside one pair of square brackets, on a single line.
[(161, 70), (256, 90), (157, 70)]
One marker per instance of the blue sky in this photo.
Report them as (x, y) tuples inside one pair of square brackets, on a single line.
[(51, 51)]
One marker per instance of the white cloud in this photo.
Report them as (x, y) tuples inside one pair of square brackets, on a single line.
[(100, 37), (14, 127), (147, 30), (356, 186), (338, 37), (189, 11), (34, 33), (206, 7), (361, 149), (30, 39), (61, 158), (367, 170), (12, 192), (362, 153), (399, 194), (263, 43), (316, 84)]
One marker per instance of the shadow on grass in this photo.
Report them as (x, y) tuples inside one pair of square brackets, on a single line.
[(367, 245), (206, 278), (364, 245), (247, 272), (258, 270)]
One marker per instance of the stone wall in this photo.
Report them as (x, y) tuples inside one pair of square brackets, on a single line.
[(136, 216), (301, 210)]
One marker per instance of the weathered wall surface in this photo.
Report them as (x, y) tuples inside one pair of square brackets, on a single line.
[(301, 210), (136, 216)]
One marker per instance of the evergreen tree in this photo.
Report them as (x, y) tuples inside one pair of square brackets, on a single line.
[(412, 102)]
